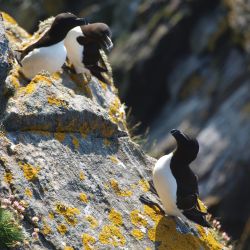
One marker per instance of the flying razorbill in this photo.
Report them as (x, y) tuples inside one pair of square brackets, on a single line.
[(83, 46), (49, 52), (175, 182)]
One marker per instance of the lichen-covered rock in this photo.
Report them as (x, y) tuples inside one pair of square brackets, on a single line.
[(66, 153)]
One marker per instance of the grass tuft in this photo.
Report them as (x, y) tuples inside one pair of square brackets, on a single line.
[(10, 231)]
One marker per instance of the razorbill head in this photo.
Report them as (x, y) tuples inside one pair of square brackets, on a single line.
[(49, 52), (83, 46), (175, 182)]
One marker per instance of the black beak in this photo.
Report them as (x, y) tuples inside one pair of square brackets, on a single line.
[(107, 43), (81, 21), (179, 136)]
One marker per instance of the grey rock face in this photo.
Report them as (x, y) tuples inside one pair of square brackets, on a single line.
[(5, 58), (66, 154)]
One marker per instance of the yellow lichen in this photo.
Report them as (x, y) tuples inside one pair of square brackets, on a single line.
[(82, 175), (83, 197), (68, 248), (75, 142), (148, 248), (116, 112), (124, 193), (202, 206), (60, 136), (8, 177), (111, 235), (29, 89), (88, 241), (153, 212), (62, 229), (46, 229), (138, 219), (93, 222), (103, 85), (30, 172), (113, 159), (8, 18), (144, 185), (28, 192), (51, 215), (115, 217), (137, 233), (165, 234), (69, 213), (56, 101)]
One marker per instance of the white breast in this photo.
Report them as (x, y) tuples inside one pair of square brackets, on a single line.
[(74, 49), (165, 185), (49, 58)]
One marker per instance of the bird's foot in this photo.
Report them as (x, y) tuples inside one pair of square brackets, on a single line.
[(147, 201)]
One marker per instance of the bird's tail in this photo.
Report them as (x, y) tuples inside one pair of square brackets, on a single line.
[(197, 217)]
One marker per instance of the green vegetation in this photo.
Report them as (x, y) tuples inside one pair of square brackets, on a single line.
[(10, 232)]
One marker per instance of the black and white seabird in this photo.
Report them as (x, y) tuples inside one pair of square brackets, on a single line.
[(49, 52), (83, 46), (175, 182)]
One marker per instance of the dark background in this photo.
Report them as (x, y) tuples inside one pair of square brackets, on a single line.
[(180, 64)]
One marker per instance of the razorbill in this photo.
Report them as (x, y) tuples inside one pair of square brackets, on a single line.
[(175, 182), (83, 46), (49, 52)]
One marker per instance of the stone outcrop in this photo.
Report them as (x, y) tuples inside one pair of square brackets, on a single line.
[(66, 153)]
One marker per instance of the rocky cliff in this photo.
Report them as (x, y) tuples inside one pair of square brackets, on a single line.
[(66, 155)]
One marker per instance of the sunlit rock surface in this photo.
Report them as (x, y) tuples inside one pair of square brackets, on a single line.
[(66, 153)]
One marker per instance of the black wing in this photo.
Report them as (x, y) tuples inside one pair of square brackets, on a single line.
[(44, 41)]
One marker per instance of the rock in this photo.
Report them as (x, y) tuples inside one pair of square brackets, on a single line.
[(5, 59), (66, 153)]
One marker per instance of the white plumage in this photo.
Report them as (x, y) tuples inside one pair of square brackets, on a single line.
[(165, 185), (49, 58), (74, 49)]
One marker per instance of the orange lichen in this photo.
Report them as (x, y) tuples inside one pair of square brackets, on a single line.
[(85, 129), (138, 219), (75, 142), (88, 241), (106, 142), (60, 136), (30, 172), (111, 235), (106, 131), (137, 233), (115, 185), (82, 176), (56, 101), (83, 197), (69, 213), (42, 79), (144, 185), (62, 229), (115, 217), (28, 192), (113, 159), (93, 222), (8, 177)]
